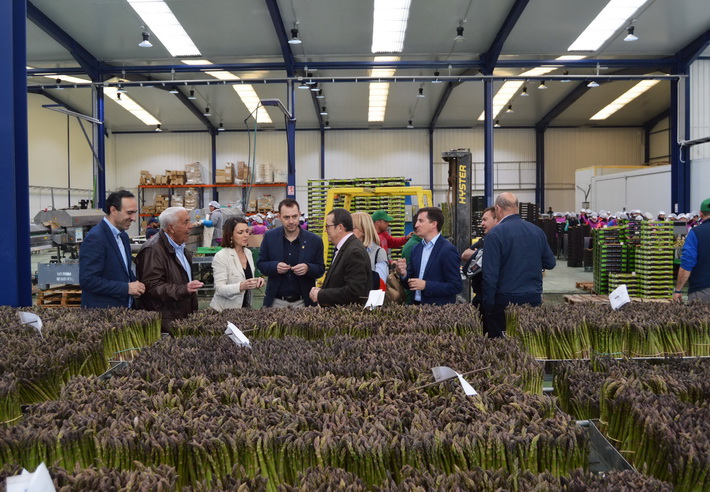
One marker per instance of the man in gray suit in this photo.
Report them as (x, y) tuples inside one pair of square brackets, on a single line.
[(349, 277)]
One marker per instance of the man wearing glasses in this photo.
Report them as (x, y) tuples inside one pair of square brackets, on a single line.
[(349, 277)]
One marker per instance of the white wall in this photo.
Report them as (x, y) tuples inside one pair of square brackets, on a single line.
[(700, 108), (54, 160), (647, 189)]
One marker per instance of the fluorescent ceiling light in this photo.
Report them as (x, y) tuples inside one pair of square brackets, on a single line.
[(246, 92), (131, 106), (379, 90), (164, 25), (615, 15), (510, 88), (389, 23), (624, 99)]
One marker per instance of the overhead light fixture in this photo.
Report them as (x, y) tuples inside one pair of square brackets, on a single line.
[(389, 24), (410, 125), (121, 90), (303, 85), (294, 37), (624, 99), (510, 109), (524, 92), (174, 90), (436, 80), (310, 79), (323, 112), (327, 125), (118, 95), (221, 127), (192, 96), (630, 36), (593, 83), (146, 40), (314, 87), (542, 85), (565, 80), (320, 94), (58, 81), (207, 112), (161, 21), (606, 24), (459, 32), (158, 129), (421, 93), (496, 124), (127, 103)]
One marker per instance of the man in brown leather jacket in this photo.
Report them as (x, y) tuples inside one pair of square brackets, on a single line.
[(165, 267)]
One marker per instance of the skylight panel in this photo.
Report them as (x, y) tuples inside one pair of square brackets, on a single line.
[(164, 25), (131, 106), (379, 91), (389, 23), (612, 17), (245, 92), (510, 88), (624, 99)]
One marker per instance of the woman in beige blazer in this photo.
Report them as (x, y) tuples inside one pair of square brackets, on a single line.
[(233, 268)]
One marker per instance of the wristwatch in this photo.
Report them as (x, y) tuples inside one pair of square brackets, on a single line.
[(677, 291)]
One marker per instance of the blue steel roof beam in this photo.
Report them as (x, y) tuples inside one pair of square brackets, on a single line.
[(276, 18), (562, 106), (689, 53), (489, 59), (56, 100), (195, 110), (648, 125), (442, 102), (88, 62), (316, 105)]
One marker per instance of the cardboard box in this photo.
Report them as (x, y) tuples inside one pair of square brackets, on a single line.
[(242, 171), (148, 209), (230, 171), (193, 173), (265, 202), (255, 240)]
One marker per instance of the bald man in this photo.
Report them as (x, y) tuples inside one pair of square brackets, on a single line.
[(516, 254)]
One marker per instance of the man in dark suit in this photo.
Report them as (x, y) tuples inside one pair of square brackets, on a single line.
[(433, 274), (105, 267), (515, 256), (349, 277), (292, 259)]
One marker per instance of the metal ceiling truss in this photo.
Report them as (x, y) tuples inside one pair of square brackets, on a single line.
[(489, 59)]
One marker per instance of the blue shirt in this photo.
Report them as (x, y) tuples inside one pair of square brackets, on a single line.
[(428, 247), (180, 253), (117, 236)]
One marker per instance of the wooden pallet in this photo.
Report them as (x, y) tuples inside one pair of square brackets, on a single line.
[(59, 297), (599, 299), (584, 285)]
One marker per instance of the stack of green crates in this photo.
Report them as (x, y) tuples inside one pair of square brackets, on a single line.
[(394, 205), (654, 260), (609, 256), (629, 279)]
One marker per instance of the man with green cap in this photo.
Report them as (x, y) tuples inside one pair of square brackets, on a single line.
[(382, 222), (695, 260)]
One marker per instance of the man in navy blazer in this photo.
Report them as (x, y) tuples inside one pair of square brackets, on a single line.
[(105, 267), (515, 255), (292, 259), (433, 274)]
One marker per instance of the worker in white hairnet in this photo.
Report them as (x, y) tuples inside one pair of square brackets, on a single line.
[(216, 219)]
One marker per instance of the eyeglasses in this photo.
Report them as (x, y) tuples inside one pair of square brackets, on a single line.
[(331, 225)]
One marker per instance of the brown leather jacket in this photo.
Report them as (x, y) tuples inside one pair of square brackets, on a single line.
[(165, 281)]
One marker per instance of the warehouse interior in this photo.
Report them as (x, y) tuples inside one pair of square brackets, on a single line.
[(572, 105)]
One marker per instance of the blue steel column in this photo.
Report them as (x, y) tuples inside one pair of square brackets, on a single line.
[(16, 287), (213, 160), (431, 163), (680, 176), (100, 145), (540, 167), (322, 153), (488, 142), (291, 140)]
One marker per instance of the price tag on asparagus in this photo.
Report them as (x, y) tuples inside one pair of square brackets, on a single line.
[(236, 335), (39, 481), (375, 299), (31, 319), (442, 373)]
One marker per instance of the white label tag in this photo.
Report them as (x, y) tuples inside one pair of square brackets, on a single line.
[(39, 481), (619, 297), (442, 373), (375, 299), (31, 319), (236, 335)]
